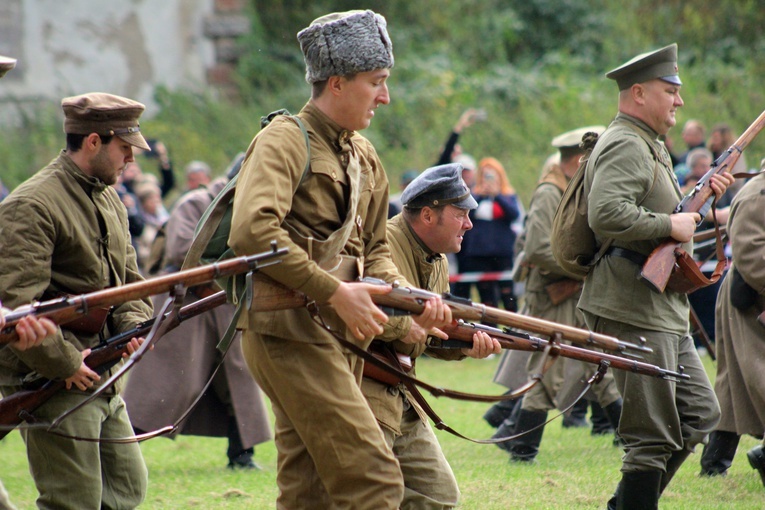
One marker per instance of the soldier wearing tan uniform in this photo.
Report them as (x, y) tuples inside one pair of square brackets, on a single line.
[(547, 281), (432, 223), (331, 452), (632, 192), (65, 231)]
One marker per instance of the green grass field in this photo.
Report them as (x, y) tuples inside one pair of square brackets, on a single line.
[(574, 470)]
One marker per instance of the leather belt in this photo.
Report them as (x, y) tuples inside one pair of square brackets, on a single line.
[(632, 256)]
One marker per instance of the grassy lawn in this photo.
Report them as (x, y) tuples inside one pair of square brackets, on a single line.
[(574, 470)]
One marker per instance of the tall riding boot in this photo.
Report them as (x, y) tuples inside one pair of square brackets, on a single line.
[(718, 453), (576, 416), (526, 447), (500, 411), (614, 412), (238, 456), (639, 490), (601, 424), (673, 465)]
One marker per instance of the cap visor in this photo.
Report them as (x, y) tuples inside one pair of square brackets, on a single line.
[(468, 203), (673, 79), (136, 140)]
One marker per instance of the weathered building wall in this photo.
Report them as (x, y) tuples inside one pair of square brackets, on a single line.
[(127, 47)]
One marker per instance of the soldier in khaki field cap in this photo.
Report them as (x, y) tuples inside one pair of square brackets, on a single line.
[(631, 195), (65, 232), (332, 217)]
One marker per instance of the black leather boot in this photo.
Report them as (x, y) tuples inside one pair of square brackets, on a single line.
[(500, 411), (576, 416), (601, 424), (614, 412), (718, 453), (639, 490), (756, 458), (611, 505), (526, 447), (239, 457)]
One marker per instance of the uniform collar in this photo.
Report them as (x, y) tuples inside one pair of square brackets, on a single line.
[(340, 138), (88, 183), (639, 123), (423, 251)]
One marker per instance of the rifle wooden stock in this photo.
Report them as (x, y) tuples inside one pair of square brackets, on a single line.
[(462, 334), (269, 295), (16, 407), (662, 262), (68, 308)]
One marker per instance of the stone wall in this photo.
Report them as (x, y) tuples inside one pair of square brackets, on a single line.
[(67, 47)]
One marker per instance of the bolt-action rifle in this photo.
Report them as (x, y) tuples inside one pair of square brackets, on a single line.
[(461, 336), (68, 309), (668, 265), (19, 406)]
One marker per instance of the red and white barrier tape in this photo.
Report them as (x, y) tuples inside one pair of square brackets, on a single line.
[(501, 276)]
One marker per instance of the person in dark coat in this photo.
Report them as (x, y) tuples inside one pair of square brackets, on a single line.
[(166, 382)]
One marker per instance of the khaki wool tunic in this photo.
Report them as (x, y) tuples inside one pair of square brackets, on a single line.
[(740, 339), (427, 271), (52, 243)]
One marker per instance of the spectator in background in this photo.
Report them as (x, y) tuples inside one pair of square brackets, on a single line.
[(720, 139), (167, 178), (198, 173), (3, 191), (394, 201), (452, 149), (489, 245), (154, 215)]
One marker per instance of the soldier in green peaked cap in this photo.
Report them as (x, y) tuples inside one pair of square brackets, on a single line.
[(631, 194), (661, 63)]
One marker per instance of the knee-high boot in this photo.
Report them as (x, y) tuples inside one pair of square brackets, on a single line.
[(639, 490), (718, 453)]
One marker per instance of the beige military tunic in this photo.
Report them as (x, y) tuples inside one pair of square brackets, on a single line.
[(428, 479), (331, 450)]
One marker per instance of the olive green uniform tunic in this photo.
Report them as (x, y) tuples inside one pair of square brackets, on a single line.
[(544, 271), (331, 452), (64, 232), (659, 417), (740, 382), (429, 482)]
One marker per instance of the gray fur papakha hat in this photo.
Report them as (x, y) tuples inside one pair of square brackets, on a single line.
[(106, 115), (437, 186), (661, 63), (344, 43)]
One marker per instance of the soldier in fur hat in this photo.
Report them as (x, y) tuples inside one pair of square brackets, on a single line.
[(332, 453)]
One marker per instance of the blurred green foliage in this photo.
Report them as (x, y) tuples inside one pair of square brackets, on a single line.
[(536, 66)]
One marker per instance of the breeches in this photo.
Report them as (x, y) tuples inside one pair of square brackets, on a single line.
[(331, 451), (81, 475), (660, 417), (429, 482)]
